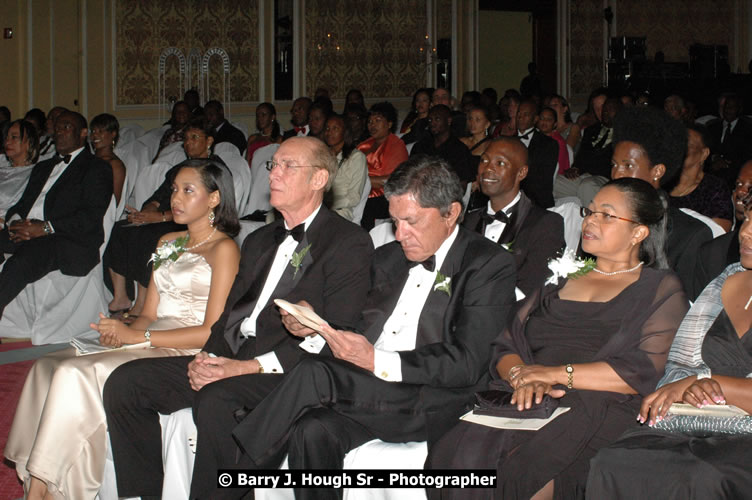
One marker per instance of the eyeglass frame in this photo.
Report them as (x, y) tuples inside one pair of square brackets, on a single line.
[(607, 217), (270, 164)]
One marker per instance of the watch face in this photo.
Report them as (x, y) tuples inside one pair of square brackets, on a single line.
[(570, 369)]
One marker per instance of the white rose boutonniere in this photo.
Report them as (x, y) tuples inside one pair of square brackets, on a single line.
[(568, 266), (442, 283)]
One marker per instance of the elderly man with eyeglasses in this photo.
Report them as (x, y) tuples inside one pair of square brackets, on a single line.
[(310, 254)]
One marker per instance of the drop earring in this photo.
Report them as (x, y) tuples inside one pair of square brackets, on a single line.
[(211, 218)]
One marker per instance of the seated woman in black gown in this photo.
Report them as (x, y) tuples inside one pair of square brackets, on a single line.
[(133, 240), (710, 363), (598, 342)]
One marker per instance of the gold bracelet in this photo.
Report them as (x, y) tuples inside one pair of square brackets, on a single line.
[(570, 375)]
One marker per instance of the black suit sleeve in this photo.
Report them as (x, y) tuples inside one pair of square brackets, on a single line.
[(96, 199), (482, 298)]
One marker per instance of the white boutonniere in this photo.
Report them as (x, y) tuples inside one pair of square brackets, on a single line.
[(169, 250), (297, 259), (443, 283), (508, 246), (569, 266)]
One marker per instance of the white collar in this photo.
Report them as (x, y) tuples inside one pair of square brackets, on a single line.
[(308, 219), (72, 154), (505, 209), (528, 131)]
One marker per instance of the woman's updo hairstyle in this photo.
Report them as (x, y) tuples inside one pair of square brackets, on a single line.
[(215, 176), (649, 209)]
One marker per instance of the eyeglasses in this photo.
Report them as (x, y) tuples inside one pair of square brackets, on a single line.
[(270, 164), (604, 217)]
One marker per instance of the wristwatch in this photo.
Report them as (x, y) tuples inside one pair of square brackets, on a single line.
[(570, 375), (47, 227), (147, 335)]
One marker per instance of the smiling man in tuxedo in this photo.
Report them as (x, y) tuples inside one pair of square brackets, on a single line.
[(310, 253), (57, 223), (440, 295), (531, 234)]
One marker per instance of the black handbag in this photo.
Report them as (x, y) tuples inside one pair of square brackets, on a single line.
[(496, 403)]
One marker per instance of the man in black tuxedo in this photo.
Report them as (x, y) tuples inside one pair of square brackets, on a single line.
[(57, 223), (312, 254), (445, 145), (440, 295), (224, 131), (731, 139), (533, 235), (543, 154), (716, 254), (300, 109)]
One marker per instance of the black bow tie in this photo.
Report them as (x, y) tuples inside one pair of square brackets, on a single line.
[(65, 158), (280, 233), (429, 264), (500, 216), (524, 136)]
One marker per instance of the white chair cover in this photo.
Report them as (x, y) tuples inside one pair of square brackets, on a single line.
[(151, 177), (58, 307), (246, 228), (150, 140), (569, 209), (178, 453), (241, 174), (382, 234), (357, 213), (242, 127), (713, 225), (130, 133), (135, 157), (258, 198)]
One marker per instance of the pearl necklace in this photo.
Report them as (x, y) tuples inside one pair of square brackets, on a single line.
[(614, 273), (188, 249)]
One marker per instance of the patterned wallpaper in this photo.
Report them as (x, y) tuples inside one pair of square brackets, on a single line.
[(145, 28), (680, 24), (586, 46), (379, 43)]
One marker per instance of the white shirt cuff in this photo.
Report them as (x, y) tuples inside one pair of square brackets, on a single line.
[(387, 365), (313, 344), (270, 363)]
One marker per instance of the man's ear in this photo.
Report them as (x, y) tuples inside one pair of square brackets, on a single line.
[(319, 178), (658, 171), (453, 215), (522, 173)]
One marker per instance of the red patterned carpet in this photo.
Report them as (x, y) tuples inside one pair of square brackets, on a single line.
[(12, 377)]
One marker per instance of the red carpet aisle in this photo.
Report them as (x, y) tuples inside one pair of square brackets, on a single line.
[(12, 377)]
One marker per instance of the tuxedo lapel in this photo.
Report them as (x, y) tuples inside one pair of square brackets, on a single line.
[(37, 179), (68, 175), (516, 220), (244, 306), (292, 274), (385, 293), (431, 323)]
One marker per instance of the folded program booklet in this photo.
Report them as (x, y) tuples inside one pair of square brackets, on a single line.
[(519, 424), (708, 410), (305, 315), (86, 346)]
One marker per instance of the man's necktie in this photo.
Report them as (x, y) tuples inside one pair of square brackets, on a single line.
[(498, 216), (281, 233), (429, 264), (524, 137), (64, 158), (299, 130), (727, 134)]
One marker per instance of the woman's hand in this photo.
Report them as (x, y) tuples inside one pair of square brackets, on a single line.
[(114, 332), (526, 374), (655, 406), (704, 392), (524, 394)]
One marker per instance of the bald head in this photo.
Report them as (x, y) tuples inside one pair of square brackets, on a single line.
[(503, 166)]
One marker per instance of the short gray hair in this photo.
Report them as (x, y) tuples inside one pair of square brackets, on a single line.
[(321, 156), (430, 179)]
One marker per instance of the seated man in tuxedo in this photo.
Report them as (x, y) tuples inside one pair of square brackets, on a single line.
[(731, 139), (439, 293), (533, 235), (300, 109), (714, 255), (224, 131), (445, 145), (312, 254), (592, 165), (543, 155), (57, 223)]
